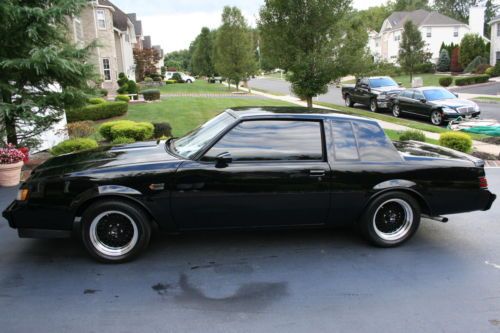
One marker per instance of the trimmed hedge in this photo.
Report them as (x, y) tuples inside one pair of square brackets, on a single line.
[(445, 81), (123, 98), (456, 140), (126, 129), (96, 100), (73, 145), (151, 94), (474, 79), (415, 135), (122, 141), (170, 81), (97, 111)]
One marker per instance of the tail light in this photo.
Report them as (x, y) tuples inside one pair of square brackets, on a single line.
[(483, 182)]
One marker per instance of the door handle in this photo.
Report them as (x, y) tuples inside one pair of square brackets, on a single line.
[(317, 173)]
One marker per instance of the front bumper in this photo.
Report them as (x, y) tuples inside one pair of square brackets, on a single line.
[(383, 103), (452, 116)]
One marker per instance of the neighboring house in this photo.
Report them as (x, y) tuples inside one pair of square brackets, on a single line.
[(495, 40), (115, 34), (436, 28), (146, 43), (138, 30)]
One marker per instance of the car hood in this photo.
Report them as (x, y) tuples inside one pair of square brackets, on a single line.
[(390, 89), (105, 157), (454, 103)]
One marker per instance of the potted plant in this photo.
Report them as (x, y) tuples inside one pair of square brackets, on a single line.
[(11, 162)]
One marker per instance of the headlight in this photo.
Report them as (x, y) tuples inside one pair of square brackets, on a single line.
[(22, 194), (449, 110)]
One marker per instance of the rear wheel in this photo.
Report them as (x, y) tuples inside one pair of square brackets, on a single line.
[(373, 105), (391, 219), (115, 231), (189, 81), (436, 118), (396, 110), (348, 101)]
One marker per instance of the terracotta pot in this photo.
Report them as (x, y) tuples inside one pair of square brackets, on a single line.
[(10, 174)]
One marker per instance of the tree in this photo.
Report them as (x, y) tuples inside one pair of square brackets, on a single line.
[(471, 46), (457, 9), (411, 49), (202, 61), (311, 40), (146, 62), (42, 73), (489, 13), (410, 5), (455, 64), (444, 61), (234, 53), (180, 60), (373, 17)]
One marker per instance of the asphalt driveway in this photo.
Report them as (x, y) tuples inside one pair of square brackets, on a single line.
[(446, 279)]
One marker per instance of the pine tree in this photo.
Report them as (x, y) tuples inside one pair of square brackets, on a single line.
[(42, 72), (411, 49), (444, 61)]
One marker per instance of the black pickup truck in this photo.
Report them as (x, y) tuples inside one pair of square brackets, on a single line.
[(374, 92)]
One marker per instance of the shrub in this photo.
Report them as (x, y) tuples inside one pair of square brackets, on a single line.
[(455, 65), (123, 89), (444, 61), (490, 71), (445, 81), (496, 70), (481, 78), (415, 135), (96, 100), (472, 66), (162, 130), (481, 69), (148, 79), (103, 92), (426, 67), (170, 81), (177, 77), (456, 140), (133, 88), (464, 81), (151, 94), (80, 129), (123, 98), (157, 79), (122, 79), (73, 145), (122, 141), (126, 129), (97, 111)]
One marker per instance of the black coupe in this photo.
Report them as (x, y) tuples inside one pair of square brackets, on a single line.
[(249, 168), (435, 103)]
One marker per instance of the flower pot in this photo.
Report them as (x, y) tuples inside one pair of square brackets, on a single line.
[(10, 174)]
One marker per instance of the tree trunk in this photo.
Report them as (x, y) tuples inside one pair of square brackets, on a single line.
[(309, 100), (229, 84), (237, 85), (10, 124)]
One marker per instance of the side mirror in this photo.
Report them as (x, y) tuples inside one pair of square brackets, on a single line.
[(423, 100), (400, 84), (456, 95), (223, 159)]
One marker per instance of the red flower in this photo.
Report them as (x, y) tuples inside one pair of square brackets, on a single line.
[(11, 155), (26, 152)]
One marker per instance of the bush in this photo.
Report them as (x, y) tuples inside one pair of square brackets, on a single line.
[(472, 66), (97, 111), (426, 67), (496, 70), (133, 88), (122, 141), (73, 145), (80, 129), (384, 68), (151, 94), (490, 71), (481, 78), (162, 130), (157, 79), (177, 77), (445, 81), (456, 140), (444, 61), (123, 89), (412, 135), (96, 100), (126, 129), (103, 92), (123, 98), (170, 81), (464, 81), (455, 64), (481, 69), (148, 79), (122, 79)]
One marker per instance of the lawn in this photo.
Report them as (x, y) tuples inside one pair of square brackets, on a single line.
[(428, 79), (487, 99), (394, 135), (186, 113), (198, 87)]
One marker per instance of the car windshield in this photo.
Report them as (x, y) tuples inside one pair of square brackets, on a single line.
[(190, 144), (437, 94), (382, 82)]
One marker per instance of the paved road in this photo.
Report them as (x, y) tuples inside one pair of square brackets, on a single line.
[(489, 89), (446, 279), (489, 110)]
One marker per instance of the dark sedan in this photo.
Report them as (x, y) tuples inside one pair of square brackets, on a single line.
[(435, 103), (249, 168)]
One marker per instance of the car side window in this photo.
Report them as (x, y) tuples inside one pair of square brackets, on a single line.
[(418, 95), (344, 141), (407, 94), (271, 140), (365, 83), (373, 144)]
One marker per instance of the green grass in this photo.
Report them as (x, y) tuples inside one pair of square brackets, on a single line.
[(197, 87), (428, 79), (486, 98), (394, 135), (186, 113)]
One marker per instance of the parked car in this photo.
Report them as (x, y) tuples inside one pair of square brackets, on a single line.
[(374, 92), (249, 168), (186, 78), (215, 79), (434, 103)]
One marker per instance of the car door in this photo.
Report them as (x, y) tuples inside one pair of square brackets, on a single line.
[(420, 105), (364, 92), (279, 176), (405, 100)]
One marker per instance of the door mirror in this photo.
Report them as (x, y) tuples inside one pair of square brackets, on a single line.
[(423, 100), (456, 95), (400, 84), (223, 159)]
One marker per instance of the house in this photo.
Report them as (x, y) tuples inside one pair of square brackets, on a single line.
[(495, 40), (138, 30), (115, 34), (435, 28)]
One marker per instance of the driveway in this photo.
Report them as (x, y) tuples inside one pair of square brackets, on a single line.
[(445, 279)]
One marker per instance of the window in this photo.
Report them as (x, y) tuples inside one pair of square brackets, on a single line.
[(373, 144), (418, 95), (498, 30), (407, 94), (101, 19), (397, 37), (344, 141), (78, 30), (127, 38), (429, 32), (455, 32), (498, 56), (271, 140), (106, 69)]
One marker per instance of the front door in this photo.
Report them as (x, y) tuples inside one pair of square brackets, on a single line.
[(278, 177)]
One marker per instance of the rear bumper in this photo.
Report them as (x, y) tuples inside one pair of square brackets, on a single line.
[(490, 198)]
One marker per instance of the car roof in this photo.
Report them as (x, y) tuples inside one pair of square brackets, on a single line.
[(426, 88), (291, 112)]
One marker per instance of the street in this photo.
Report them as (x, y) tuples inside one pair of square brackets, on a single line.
[(334, 96), (447, 278)]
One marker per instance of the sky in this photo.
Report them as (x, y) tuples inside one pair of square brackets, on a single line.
[(173, 24)]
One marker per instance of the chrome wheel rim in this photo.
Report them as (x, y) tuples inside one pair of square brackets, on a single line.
[(393, 219), (348, 101), (373, 106), (396, 111), (436, 118), (113, 233)]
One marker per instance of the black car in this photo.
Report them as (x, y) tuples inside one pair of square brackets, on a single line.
[(374, 92), (435, 103), (249, 168)]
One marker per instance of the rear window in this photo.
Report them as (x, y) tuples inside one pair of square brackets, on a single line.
[(344, 141)]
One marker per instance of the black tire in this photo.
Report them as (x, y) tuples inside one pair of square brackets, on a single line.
[(101, 230), (380, 224), (189, 81), (373, 105), (348, 101), (396, 110), (436, 118)]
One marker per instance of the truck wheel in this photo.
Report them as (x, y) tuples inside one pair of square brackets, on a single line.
[(390, 219), (396, 110), (115, 231), (348, 101), (373, 105)]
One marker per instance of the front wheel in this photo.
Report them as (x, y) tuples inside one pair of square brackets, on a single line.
[(391, 219), (373, 105), (396, 110), (436, 118), (348, 101), (115, 231), (189, 81)]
